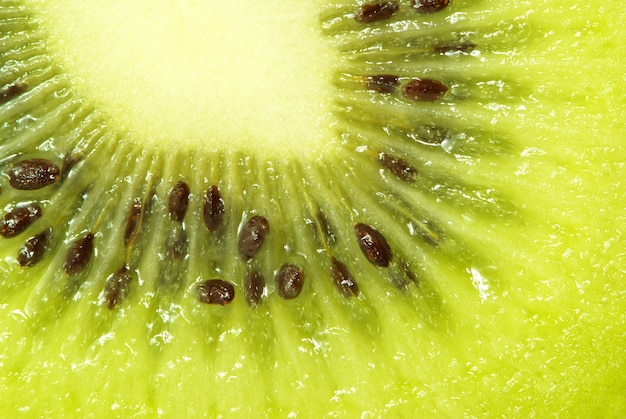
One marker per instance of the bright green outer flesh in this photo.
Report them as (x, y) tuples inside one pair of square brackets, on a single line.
[(522, 313)]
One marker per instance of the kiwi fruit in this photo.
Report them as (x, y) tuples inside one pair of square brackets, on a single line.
[(344, 208)]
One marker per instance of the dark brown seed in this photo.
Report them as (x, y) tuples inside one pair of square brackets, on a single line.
[(253, 236), (343, 279), (12, 91), (179, 201), (33, 174), (134, 221), (213, 208), (382, 83), (373, 245), (399, 167), (176, 245), (253, 285), (19, 219), (424, 90), (376, 12), (116, 287), (464, 47), (290, 280), (78, 255), (34, 249), (215, 291), (430, 6)]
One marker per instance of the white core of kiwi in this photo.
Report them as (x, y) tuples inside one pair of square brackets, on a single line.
[(210, 81)]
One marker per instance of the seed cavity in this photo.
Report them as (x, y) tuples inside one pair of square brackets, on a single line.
[(213, 208), (254, 285), (34, 249), (429, 135), (399, 167), (290, 280), (343, 279), (69, 161), (253, 236), (78, 255), (373, 245), (12, 92), (430, 6), (424, 90), (19, 219), (176, 244), (117, 286), (133, 222), (329, 237), (460, 47), (376, 12), (215, 291), (33, 174), (402, 275), (382, 83), (179, 201)]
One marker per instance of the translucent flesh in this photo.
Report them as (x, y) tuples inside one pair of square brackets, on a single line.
[(521, 311), (206, 76)]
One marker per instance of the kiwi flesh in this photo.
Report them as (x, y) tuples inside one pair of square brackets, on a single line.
[(383, 209)]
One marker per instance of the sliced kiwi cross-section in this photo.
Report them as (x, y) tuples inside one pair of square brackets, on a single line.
[(331, 208)]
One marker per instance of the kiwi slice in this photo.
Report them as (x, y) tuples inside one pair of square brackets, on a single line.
[(331, 208)]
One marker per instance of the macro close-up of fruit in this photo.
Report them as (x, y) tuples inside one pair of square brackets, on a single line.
[(403, 208)]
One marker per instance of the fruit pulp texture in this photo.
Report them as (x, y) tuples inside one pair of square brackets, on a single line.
[(207, 76), (537, 332)]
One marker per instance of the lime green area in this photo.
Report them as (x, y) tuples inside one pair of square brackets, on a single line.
[(522, 315)]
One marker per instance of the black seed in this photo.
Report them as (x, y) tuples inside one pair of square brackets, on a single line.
[(464, 47), (373, 245), (290, 280), (78, 255), (179, 201), (215, 291), (253, 286), (424, 90), (343, 279), (397, 166), (213, 208), (12, 91), (116, 287), (253, 236), (34, 249), (376, 12), (33, 174), (382, 83), (133, 222), (19, 219), (176, 245), (430, 6)]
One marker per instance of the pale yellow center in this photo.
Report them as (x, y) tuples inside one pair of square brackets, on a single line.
[(201, 74)]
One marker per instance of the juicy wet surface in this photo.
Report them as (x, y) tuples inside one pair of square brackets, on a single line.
[(254, 80)]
